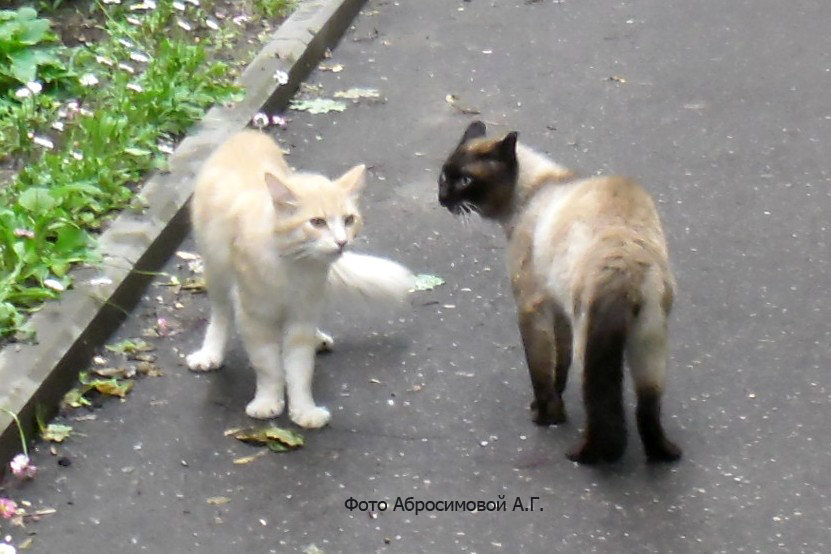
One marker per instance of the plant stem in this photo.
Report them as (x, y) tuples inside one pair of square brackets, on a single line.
[(20, 430)]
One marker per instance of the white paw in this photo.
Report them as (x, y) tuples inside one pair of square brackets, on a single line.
[(311, 418), (204, 360), (324, 342), (265, 407)]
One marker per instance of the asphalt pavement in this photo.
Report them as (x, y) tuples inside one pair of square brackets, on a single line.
[(721, 109)]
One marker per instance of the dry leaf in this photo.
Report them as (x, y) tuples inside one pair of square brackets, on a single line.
[(217, 500)]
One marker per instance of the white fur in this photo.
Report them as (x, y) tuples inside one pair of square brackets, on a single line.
[(370, 278)]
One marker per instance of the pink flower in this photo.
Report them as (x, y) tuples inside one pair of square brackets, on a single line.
[(8, 508), (22, 467)]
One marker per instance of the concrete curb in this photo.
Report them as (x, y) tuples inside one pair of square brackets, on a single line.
[(140, 240)]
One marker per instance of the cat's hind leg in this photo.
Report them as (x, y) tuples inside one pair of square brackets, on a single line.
[(298, 355), (647, 354), (603, 341), (262, 342), (210, 356), (547, 364)]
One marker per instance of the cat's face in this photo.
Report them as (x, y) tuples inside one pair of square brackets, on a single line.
[(317, 218), (480, 175)]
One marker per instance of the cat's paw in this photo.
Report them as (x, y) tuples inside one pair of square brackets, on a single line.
[(549, 412), (265, 407), (311, 418), (323, 341), (204, 360)]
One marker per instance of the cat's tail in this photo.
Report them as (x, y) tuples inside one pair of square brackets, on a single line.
[(370, 278)]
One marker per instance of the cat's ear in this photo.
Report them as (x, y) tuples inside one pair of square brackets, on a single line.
[(281, 194), (353, 180), (507, 148), (474, 130)]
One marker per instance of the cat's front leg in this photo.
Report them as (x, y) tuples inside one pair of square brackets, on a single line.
[(325, 342), (262, 342), (299, 344)]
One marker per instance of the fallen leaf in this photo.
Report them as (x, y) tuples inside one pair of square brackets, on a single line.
[(318, 105), (25, 544), (110, 387), (358, 93), (334, 68), (275, 438), (188, 255), (75, 398), (56, 432), (194, 284), (425, 281), (217, 500), (617, 79), (249, 459), (149, 369), (130, 346)]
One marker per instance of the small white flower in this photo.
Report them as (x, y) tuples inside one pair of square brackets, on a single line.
[(139, 57), (88, 80), (34, 86), (126, 67), (134, 21), (54, 284), (24, 233), (135, 87), (179, 6), (77, 155), (193, 2), (165, 148), (240, 19), (85, 112), (211, 24), (43, 142), (112, 1), (281, 77), (126, 43), (184, 25), (22, 92), (104, 61), (260, 120), (58, 125)]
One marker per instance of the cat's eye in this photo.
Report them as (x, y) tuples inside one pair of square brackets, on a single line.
[(465, 181), (318, 222), (349, 220)]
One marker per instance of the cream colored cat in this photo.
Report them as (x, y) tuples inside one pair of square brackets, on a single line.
[(273, 243)]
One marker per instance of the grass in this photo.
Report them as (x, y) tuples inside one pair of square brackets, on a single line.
[(92, 122)]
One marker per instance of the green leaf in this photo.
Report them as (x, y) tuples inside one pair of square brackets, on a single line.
[(275, 438), (37, 200), (56, 432), (427, 282), (24, 65), (130, 346), (110, 387), (34, 31), (75, 398), (358, 93), (70, 240), (318, 105)]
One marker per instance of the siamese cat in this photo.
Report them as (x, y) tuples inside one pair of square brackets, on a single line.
[(590, 275), (274, 244)]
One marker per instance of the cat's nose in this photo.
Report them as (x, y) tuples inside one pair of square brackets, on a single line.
[(341, 244)]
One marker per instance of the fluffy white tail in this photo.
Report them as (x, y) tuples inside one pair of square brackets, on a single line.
[(370, 278)]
